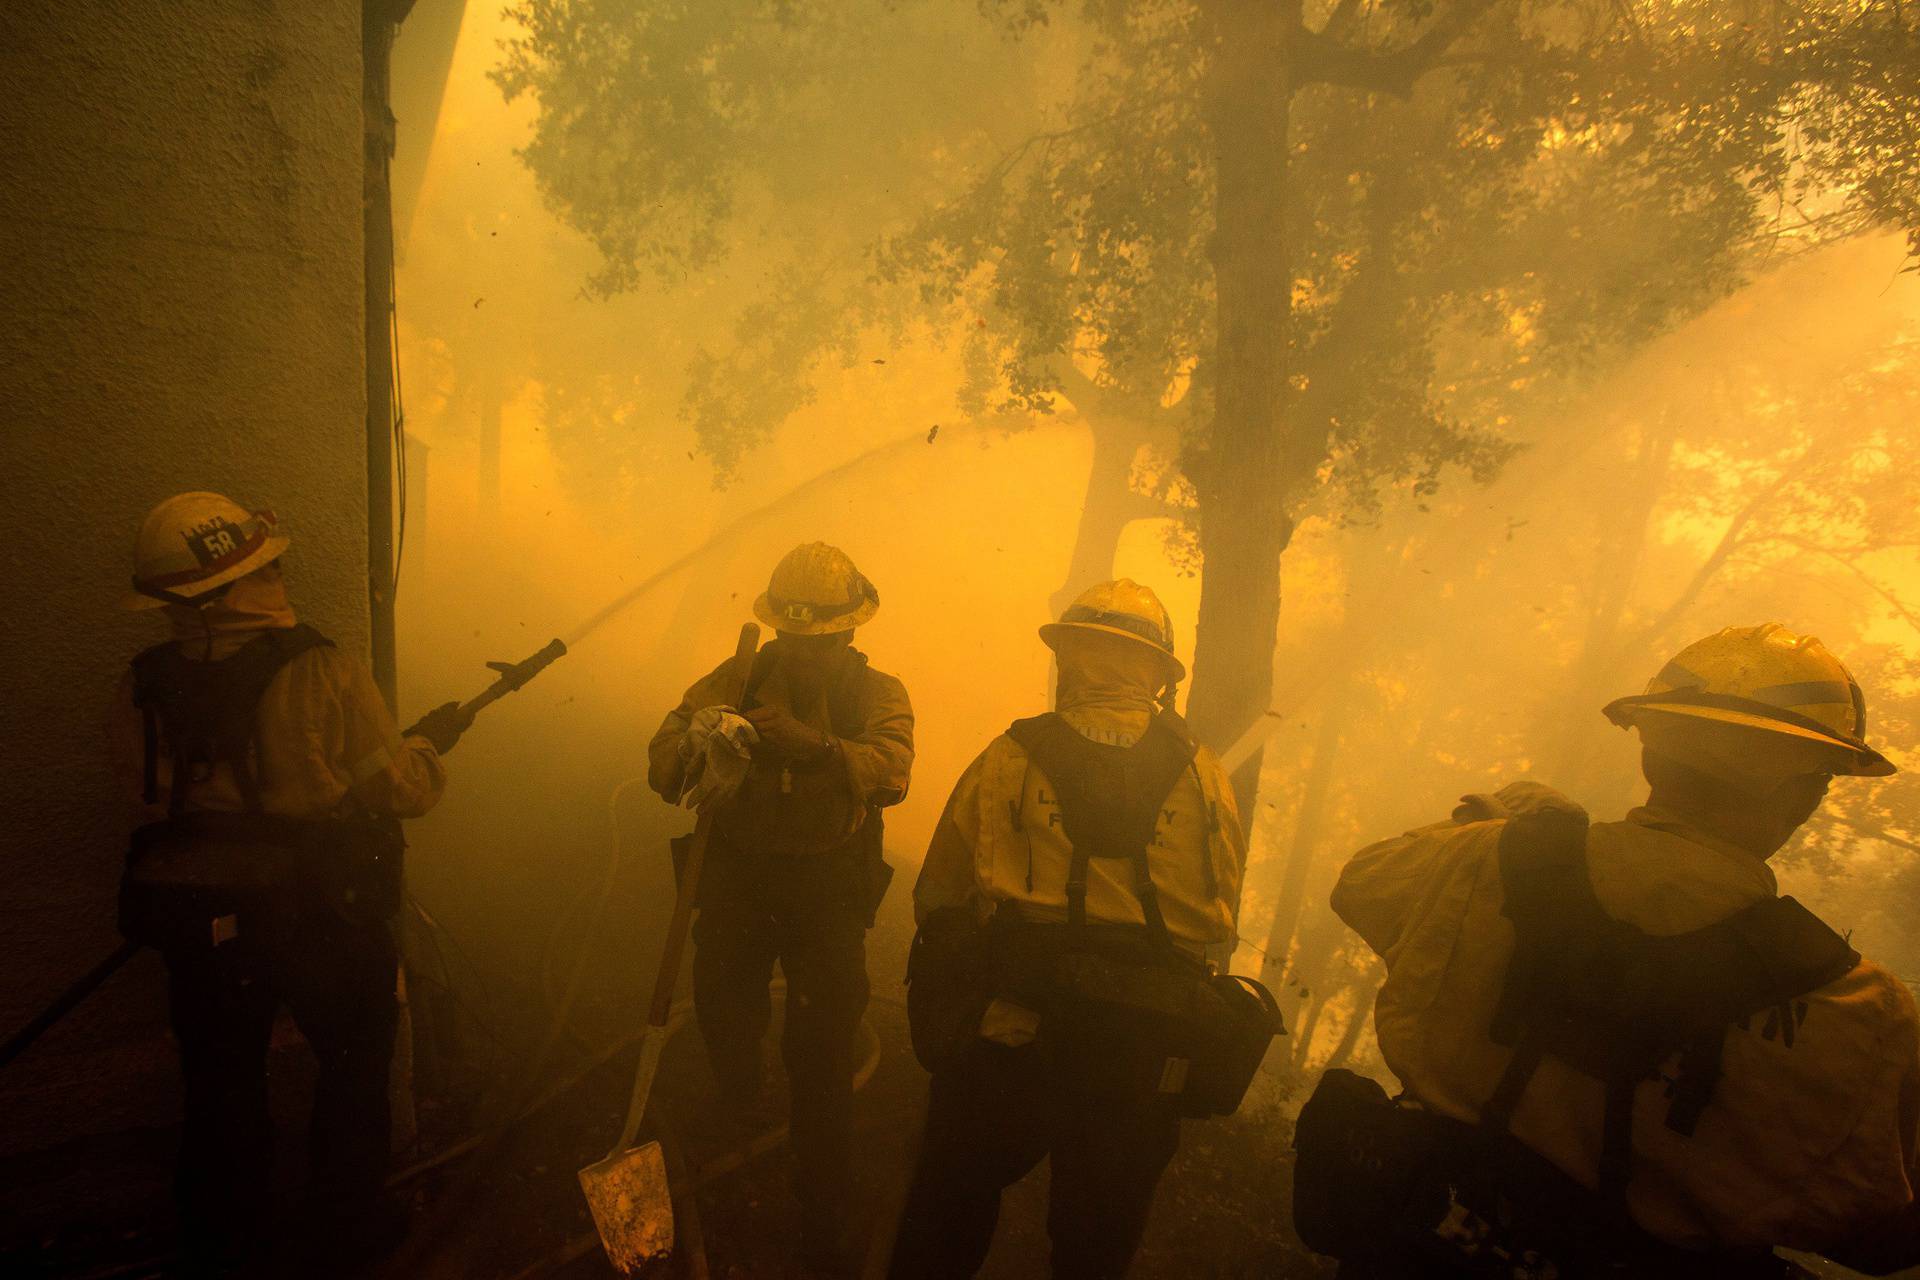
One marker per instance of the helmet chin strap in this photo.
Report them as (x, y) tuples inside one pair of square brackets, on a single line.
[(199, 604)]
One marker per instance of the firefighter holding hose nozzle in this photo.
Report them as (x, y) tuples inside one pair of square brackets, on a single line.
[(269, 776)]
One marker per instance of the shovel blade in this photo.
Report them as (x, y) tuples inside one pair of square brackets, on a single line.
[(632, 1206)]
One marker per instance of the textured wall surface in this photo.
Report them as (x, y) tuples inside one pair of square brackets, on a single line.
[(180, 285)]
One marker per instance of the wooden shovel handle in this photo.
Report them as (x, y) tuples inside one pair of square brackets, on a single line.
[(663, 986)]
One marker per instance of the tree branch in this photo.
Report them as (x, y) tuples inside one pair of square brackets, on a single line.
[(1341, 20), (1730, 542), (1018, 152), (1893, 601), (1872, 833), (1319, 59), (1106, 406)]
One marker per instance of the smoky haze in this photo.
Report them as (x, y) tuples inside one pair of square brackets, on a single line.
[(1588, 426)]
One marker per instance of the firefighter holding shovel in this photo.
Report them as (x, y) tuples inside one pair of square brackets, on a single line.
[(793, 777)]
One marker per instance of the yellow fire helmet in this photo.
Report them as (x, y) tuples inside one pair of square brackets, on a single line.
[(816, 591), (1755, 704), (195, 542), (1121, 608)]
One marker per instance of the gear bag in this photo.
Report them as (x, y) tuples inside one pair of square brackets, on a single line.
[(190, 877), (949, 986), (1610, 1001), (1397, 1191), (1124, 1013)]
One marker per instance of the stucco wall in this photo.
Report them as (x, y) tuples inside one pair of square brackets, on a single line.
[(180, 286)]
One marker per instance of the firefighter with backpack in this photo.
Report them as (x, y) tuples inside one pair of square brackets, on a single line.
[(1623, 1052), (1075, 906), (796, 777), (269, 777)]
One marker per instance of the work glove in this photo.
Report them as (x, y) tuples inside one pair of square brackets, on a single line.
[(717, 749), (788, 736), (1511, 801), (443, 726)]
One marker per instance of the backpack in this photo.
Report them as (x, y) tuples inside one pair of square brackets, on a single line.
[(190, 877), (1125, 1014), (1378, 1177)]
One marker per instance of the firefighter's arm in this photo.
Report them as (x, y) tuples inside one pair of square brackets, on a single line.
[(1228, 839), (1511, 801), (948, 877), (879, 763), (126, 740), (666, 766), (1881, 1158), (1383, 889), (401, 777)]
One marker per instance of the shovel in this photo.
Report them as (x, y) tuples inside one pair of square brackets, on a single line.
[(627, 1191)]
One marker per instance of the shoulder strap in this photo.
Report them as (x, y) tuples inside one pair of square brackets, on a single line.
[(763, 661), (847, 700), (1551, 904), (146, 668), (1543, 874), (1561, 943), (1041, 737)]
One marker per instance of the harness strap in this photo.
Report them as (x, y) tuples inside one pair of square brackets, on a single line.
[(1016, 807), (1099, 788), (1149, 896), (763, 660), (182, 776), (1077, 889), (150, 769)]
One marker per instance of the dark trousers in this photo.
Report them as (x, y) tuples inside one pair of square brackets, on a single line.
[(809, 913), (992, 1115), (337, 980)]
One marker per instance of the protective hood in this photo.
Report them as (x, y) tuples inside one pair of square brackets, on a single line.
[(255, 603), (1107, 673)]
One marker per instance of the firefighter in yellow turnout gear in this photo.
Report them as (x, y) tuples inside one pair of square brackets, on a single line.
[(1710, 1070), (794, 870), (1001, 896), (265, 770)]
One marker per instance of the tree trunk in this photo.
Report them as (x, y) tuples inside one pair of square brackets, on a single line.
[(1306, 831), (1317, 966), (1244, 524), (1109, 505), (1363, 993), (1620, 549)]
